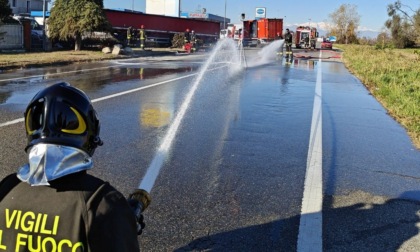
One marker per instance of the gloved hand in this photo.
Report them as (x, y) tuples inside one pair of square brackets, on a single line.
[(139, 200), (139, 218)]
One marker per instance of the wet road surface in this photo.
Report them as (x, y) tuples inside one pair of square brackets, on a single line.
[(224, 151)]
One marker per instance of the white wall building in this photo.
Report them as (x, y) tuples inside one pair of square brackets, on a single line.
[(25, 6), (163, 7)]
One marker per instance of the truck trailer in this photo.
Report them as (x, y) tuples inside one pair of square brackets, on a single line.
[(262, 31), (161, 29)]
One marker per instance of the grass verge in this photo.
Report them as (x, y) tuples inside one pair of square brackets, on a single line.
[(22, 60), (393, 78)]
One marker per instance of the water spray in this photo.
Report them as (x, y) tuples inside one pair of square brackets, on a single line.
[(242, 58), (224, 52), (267, 54)]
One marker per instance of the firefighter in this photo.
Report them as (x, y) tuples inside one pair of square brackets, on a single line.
[(70, 207), (129, 35), (288, 37), (193, 41), (187, 36), (313, 41), (142, 37), (187, 40), (307, 41)]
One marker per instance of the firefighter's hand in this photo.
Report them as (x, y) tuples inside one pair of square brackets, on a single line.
[(139, 200), (139, 217), (140, 224)]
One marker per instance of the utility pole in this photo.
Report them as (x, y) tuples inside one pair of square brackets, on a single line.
[(224, 20), (44, 47)]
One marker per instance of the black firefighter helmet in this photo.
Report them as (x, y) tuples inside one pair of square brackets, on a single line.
[(62, 115)]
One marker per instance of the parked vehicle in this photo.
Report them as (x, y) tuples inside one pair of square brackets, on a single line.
[(326, 44), (161, 29)]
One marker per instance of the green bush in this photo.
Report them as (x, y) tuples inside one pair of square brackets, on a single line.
[(178, 40)]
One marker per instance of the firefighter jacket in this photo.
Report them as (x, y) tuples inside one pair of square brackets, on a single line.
[(187, 36), (288, 37), (142, 34), (77, 212)]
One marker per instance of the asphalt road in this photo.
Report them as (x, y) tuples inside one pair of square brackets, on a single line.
[(242, 152)]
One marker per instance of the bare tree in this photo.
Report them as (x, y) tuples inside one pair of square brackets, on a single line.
[(404, 24), (398, 7), (345, 21)]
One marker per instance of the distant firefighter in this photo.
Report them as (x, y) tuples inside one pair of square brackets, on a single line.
[(142, 36), (193, 41), (288, 37), (129, 35)]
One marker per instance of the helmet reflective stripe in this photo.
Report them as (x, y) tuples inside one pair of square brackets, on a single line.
[(29, 130), (82, 125), (32, 126), (34, 117)]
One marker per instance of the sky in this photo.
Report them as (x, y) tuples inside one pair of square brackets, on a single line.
[(373, 13)]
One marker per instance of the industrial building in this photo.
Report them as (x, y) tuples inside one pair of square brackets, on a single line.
[(20, 7), (173, 8)]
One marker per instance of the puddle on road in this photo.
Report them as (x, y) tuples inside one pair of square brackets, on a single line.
[(20, 91)]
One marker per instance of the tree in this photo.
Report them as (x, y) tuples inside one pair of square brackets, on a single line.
[(403, 17), (351, 35), (345, 21), (5, 10), (383, 40), (405, 29), (71, 19), (416, 19), (400, 32)]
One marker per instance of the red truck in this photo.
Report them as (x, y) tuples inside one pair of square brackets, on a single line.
[(259, 32), (161, 29)]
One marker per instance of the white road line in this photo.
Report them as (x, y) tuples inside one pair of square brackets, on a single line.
[(111, 96), (12, 122), (141, 88), (310, 228)]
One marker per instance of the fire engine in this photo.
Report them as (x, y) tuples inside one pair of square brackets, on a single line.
[(306, 37)]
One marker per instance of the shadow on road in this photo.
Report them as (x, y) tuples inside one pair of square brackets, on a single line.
[(390, 225)]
